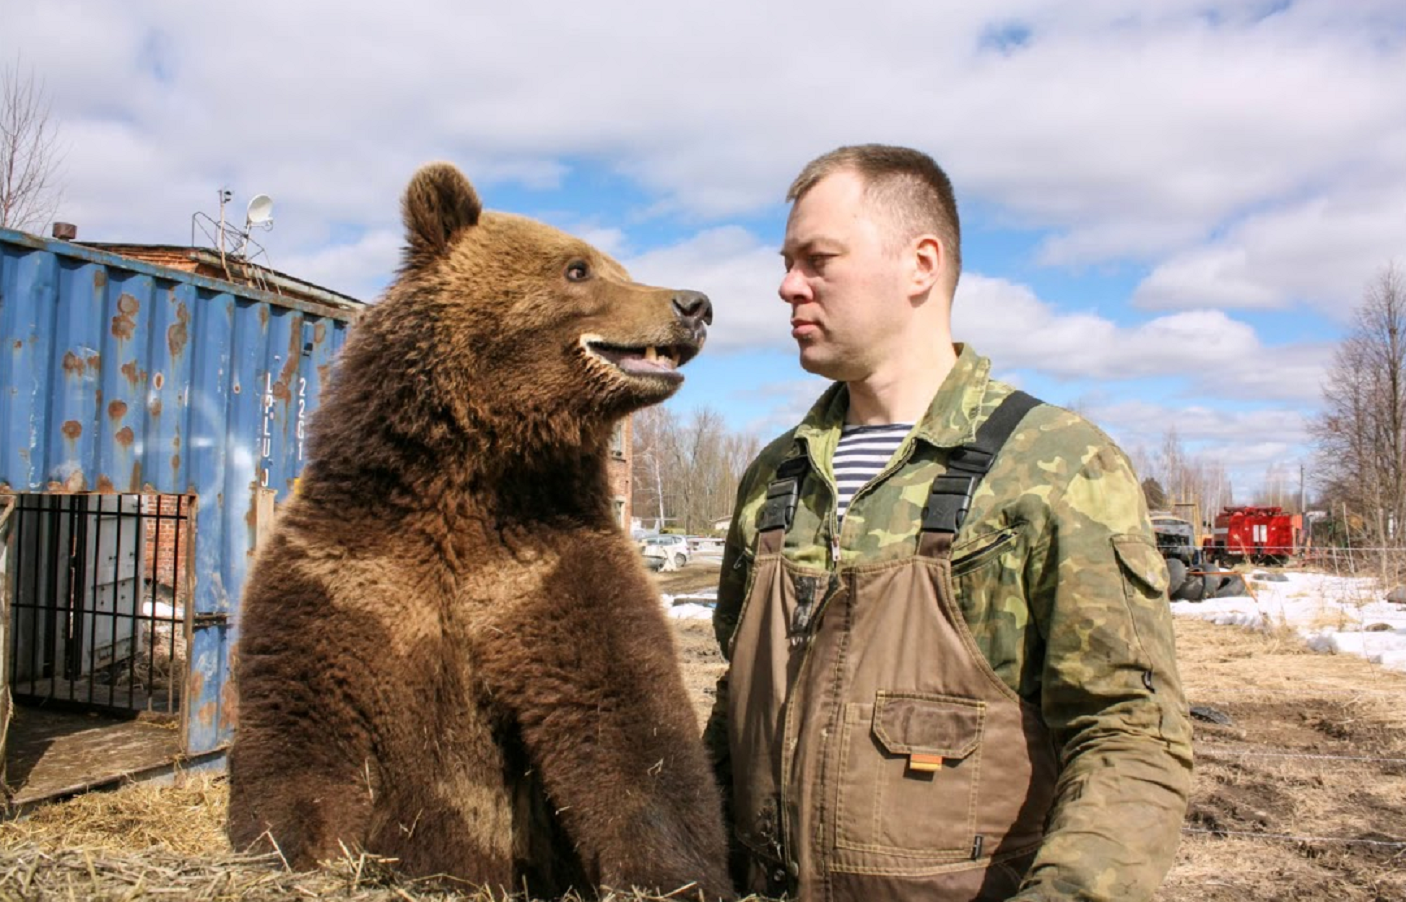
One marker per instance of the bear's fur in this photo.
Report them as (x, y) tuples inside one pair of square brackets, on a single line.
[(450, 654)]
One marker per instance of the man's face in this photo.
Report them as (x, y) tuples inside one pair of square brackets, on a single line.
[(844, 283)]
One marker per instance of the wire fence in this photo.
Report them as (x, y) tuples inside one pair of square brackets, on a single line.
[(1293, 838), (1353, 579), (1308, 686), (1228, 753)]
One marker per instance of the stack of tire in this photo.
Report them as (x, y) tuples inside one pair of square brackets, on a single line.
[(1184, 584)]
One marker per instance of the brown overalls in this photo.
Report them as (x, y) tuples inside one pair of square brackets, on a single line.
[(877, 757)]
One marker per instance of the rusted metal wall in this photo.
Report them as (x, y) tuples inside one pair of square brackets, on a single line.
[(120, 376)]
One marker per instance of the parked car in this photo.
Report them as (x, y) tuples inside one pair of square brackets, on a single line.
[(665, 552)]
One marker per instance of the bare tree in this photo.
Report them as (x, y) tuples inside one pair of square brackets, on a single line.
[(1360, 437), (1194, 486), (29, 152), (687, 471), (1277, 490), (655, 434)]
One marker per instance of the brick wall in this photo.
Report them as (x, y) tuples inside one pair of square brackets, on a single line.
[(619, 467), (169, 257), (167, 542)]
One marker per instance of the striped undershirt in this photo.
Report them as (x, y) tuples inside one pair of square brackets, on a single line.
[(862, 453)]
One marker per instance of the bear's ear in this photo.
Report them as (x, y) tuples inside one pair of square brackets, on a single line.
[(438, 203)]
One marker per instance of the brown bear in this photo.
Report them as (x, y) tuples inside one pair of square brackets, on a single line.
[(450, 654)]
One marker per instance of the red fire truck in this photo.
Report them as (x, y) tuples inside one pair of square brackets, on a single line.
[(1264, 535)]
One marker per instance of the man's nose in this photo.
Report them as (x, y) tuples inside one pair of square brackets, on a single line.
[(793, 287)]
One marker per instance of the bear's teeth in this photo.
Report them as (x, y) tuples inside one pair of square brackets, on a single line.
[(651, 353)]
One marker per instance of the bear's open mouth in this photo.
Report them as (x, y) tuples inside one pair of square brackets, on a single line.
[(659, 361)]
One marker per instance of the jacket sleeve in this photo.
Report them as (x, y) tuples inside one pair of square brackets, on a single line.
[(1110, 693)]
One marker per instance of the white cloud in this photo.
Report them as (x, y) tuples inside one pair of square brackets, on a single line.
[(362, 268), (1247, 443), (1207, 349), (1199, 426), (1127, 129), (739, 275), (1321, 251), (787, 402), (1251, 155)]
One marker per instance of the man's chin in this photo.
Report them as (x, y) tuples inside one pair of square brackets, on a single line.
[(821, 366)]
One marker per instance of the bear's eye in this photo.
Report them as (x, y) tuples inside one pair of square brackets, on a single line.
[(578, 271)]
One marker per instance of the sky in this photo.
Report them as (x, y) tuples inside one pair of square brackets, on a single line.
[(1170, 209)]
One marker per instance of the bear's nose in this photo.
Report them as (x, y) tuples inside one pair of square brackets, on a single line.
[(693, 307)]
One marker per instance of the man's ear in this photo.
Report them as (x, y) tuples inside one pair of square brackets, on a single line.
[(928, 259)]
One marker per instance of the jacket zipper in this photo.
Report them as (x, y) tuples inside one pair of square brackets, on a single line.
[(788, 743), (787, 735), (982, 551)]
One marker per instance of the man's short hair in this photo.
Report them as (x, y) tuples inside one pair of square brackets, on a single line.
[(909, 188)]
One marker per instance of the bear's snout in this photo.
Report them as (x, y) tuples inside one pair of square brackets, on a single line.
[(695, 311)]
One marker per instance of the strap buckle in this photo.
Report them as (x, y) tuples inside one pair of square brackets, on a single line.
[(780, 506), (970, 459), (782, 495), (948, 502)]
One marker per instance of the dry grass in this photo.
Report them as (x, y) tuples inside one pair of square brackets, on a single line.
[(150, 841), (1281, 809), (166, 842), (183, 818)]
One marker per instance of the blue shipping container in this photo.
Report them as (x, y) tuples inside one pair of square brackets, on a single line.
[(119, 377)]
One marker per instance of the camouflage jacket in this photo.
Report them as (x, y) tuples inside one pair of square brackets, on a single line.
[(1074, 617)]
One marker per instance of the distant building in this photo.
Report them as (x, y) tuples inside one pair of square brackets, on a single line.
[(621, 484), (226, 267)]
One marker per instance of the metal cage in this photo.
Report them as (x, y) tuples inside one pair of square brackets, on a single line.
[(100, 592)]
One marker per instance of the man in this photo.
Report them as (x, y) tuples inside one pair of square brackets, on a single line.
[(952, 672)]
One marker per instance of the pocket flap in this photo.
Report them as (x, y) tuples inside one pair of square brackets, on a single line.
[(928, 725), (1142, 561)]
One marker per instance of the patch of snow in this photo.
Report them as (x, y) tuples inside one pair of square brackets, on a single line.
[(689, 611), (1329, 612), (692, 606)]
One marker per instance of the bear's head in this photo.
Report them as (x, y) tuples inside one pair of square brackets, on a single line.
[(521, 321)]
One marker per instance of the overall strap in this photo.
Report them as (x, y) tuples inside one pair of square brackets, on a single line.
[(779, 510), (951, 494)]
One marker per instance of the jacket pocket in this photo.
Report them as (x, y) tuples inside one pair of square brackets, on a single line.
[(980, 550), (1142, 563), (908, 776), (1145, 579), (1144, 576)]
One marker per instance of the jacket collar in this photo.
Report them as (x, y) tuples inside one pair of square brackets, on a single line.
[(950, 420)]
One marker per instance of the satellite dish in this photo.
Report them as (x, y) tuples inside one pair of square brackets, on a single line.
[(260, 209)]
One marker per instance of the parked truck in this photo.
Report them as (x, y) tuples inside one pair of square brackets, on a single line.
[(1261, 535), (1191, 574)]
